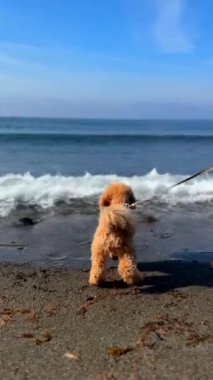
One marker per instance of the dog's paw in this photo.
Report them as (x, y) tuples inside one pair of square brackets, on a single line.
[(137, 279), (95, 281)]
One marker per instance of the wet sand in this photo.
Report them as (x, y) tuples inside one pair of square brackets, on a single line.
[(64, 240), (53, 325)]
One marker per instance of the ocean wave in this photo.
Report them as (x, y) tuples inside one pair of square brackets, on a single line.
[(46, 191), (101, 138)]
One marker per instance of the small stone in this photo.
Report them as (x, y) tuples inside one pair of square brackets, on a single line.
[(26, 221)]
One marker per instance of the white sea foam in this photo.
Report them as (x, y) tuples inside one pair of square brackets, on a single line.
[(47, 190)]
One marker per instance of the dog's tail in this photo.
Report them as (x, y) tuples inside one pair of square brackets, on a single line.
[(119, 217)]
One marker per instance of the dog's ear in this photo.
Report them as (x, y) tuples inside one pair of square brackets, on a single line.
[(105, 200)]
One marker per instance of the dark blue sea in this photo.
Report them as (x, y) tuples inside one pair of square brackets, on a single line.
[(122, 147), (45, 161)]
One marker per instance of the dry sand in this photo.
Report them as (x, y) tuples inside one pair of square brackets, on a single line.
[(54, 326)]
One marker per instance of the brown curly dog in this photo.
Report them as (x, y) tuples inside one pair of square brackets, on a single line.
[(114, 236)]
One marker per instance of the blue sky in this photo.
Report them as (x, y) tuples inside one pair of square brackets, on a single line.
[(114, 58)]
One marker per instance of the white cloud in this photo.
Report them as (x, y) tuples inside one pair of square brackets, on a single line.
[(6, 59), (169, 29)]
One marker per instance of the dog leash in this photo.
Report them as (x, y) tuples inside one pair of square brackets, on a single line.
[(155, 197)]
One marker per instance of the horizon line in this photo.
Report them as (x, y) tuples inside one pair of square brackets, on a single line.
[(107, 118)]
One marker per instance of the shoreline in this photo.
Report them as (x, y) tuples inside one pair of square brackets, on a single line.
[(64, 240)]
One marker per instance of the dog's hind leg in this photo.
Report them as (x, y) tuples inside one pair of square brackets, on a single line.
[(98, 268), (127, 268)]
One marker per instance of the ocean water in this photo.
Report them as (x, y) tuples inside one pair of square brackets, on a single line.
[(48, 162)]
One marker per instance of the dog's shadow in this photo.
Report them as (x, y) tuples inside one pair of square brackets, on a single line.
[(164, 276), (172, 275)]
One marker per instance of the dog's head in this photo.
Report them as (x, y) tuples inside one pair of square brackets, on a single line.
[(117, 194)]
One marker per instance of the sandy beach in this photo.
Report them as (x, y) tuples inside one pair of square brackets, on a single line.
[(53, 325)]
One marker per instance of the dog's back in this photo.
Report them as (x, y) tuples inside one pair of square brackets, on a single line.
[(115, 230), (117, 218)]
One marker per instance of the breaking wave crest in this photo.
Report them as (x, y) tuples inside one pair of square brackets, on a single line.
[(46, 191)]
